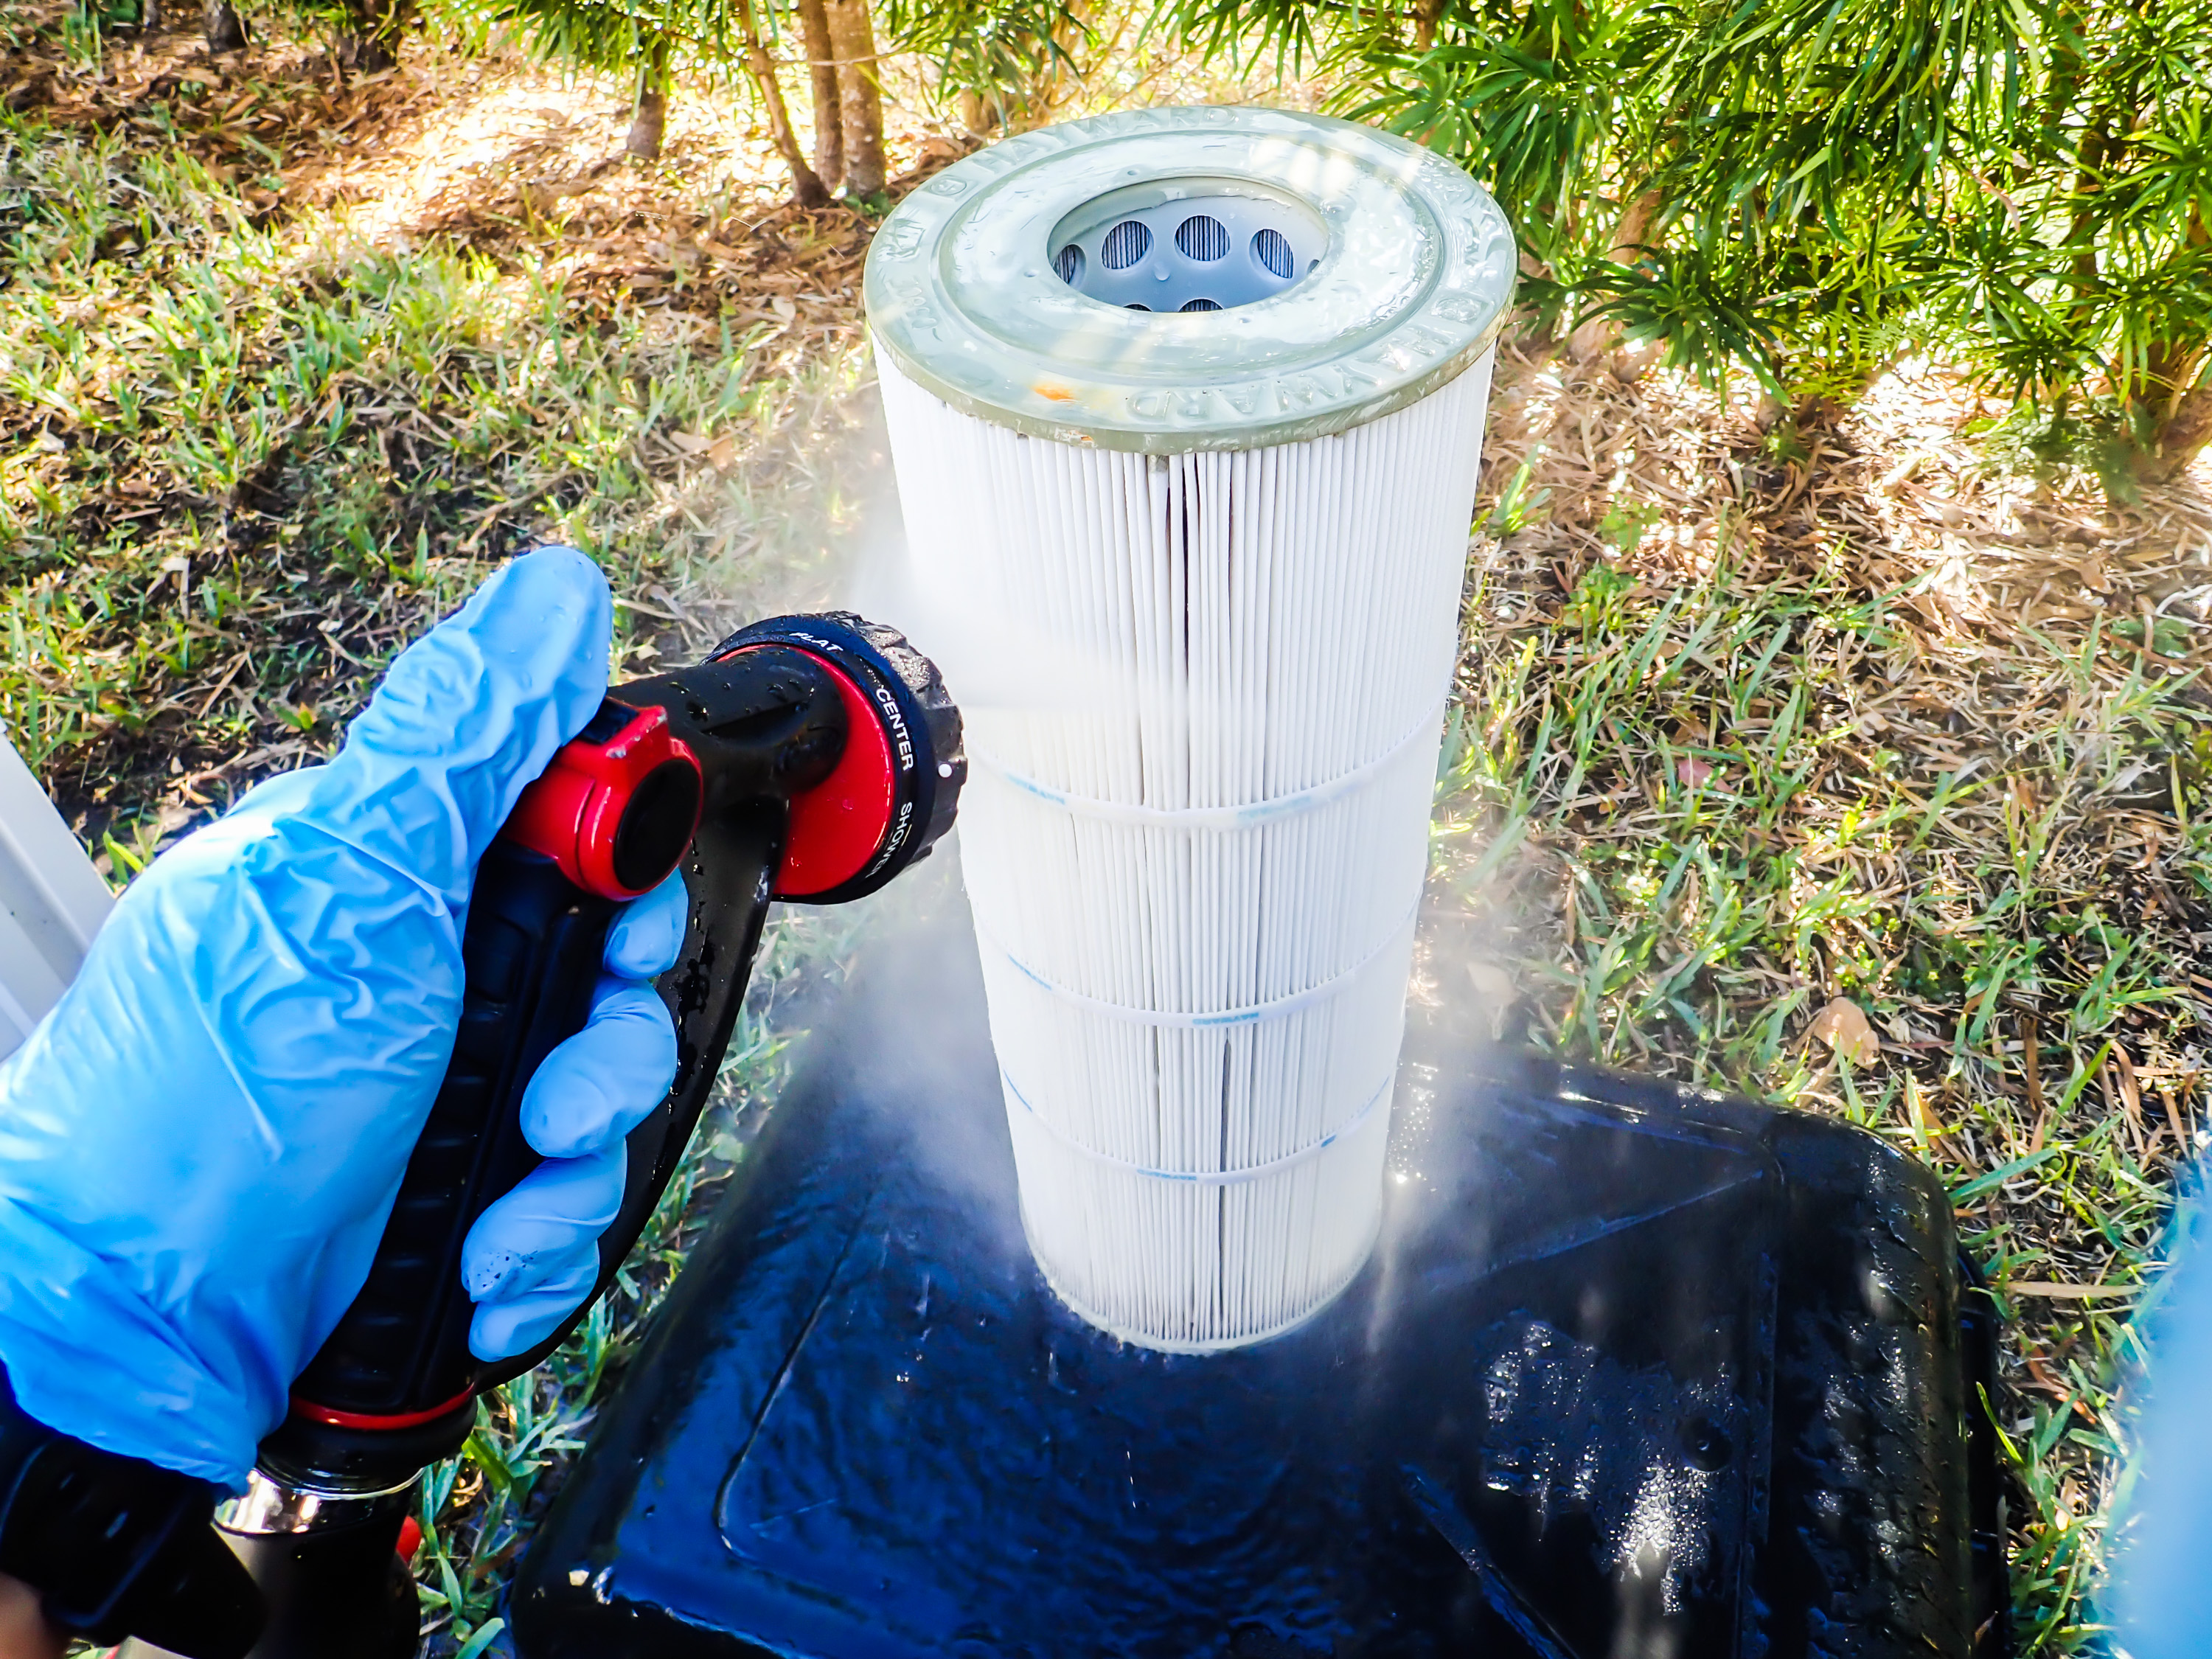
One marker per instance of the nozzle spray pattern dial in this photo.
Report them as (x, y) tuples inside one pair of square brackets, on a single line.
[(893, 793)]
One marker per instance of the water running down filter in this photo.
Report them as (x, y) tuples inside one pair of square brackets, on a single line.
[(1187, 406)]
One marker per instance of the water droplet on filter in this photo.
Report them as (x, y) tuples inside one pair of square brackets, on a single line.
[(1705, 1445)]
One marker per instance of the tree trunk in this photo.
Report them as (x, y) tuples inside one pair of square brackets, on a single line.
[(368, 40), (2173, 384), (822, 77), (2063, 84), (2186, 431), (1426, 15), (860, 102), (1599, 335), (149, 16), (1041, 100), (646, 126), (366, 54), (977, 115), (224, 27), (2088, 180), (804, 185)]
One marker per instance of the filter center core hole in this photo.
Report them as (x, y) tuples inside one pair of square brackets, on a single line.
[(1180, 246)]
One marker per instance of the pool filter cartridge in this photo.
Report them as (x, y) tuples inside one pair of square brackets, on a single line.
[(1185, 408)]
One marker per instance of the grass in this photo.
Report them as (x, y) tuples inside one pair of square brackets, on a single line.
[(1834, 767), (245, 454), (250, 444), (1725, 801)]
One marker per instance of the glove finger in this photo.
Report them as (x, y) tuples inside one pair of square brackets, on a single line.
[(500, 1330), (467, 716), (597, 1086), (648, 936), (503, 1330), (538, 1234)]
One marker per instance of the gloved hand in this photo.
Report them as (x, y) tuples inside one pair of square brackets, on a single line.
[(2156, 1602), (200, 1145)]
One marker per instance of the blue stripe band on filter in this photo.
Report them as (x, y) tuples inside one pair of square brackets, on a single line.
[(1203, 1177), (1209, 818), (1279, 1008)]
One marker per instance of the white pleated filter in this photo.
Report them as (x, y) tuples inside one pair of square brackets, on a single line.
[(1194, 856)]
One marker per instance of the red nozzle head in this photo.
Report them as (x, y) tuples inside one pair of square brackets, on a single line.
[(618, 805)]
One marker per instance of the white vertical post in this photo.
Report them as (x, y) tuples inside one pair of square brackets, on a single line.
[(52, 901)]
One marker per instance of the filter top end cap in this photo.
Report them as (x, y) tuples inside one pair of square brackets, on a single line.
[(964, 294)]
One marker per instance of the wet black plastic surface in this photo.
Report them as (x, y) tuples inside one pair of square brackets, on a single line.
[(1630, 1374)]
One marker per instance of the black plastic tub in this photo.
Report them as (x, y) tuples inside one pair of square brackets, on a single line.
[(1632, 1371)]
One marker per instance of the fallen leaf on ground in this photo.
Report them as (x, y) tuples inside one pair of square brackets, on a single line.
[(1842, 1026)]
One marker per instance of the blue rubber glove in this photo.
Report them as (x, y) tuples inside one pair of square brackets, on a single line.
[(2162, 1537), (201, 1143)]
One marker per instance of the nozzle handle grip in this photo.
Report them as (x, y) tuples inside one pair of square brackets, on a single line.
[(746, 771), (608, 820), (530, 954)]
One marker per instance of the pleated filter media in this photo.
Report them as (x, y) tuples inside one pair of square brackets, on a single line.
[(1186, 407)]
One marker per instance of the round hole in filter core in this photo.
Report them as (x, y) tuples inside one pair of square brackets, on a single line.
[(1188, 244), (1202, 237), (1125, 245)]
